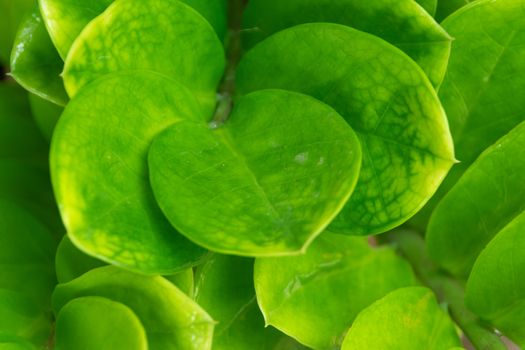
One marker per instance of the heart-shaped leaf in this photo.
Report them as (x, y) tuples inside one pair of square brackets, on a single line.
[(386, 99), (315, 297), (172, 320), (265, 183), (100, 175), (90, 323), (35, 64), (496, 285), (167, 37), (402, 23), (406, 319), (486, 198)]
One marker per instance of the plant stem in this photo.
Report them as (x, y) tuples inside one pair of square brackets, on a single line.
[(233, 55), (447, 289)]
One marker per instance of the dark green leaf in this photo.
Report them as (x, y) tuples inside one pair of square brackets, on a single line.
[(225, 289), (263, 184), (387, 100), (45, 114), (35, 64), (13, 11)]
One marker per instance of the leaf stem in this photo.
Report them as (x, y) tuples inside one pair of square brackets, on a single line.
[(447, 289), (233, 55)]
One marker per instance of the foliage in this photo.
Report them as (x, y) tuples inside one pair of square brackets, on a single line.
[(200, 175)]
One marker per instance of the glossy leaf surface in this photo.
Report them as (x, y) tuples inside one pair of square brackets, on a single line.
[(496, 286), (402, 23), (95, 323), (224, 287), (264, 183), (484, 89), (99, 171), (169, 317), (167, 37), (486, 198), (315, 297), (386, 99), (13, 13), (406, 319), (35, 64)]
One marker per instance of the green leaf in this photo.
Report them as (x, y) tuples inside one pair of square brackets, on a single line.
[(402, 23), (447, 7), (484, 89), (225, 289), (215, 12), (429, 5), (71, 263), (20, 317), (13, 11), (496, 286), (95, 323), (27, 277), (100, 176), (383, 95), (19, 137), (27, 251), (170, 318), (486, 198), (406, 319), (45, 114), (9, 342), (263, 184), (35, 64), (65, 19), (315, 297), (184, 280), (167, 37)]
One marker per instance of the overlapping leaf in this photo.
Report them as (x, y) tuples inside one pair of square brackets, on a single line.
[(35, 64), (167, 37), (484, 89), (80, 326), (99, 170), (264, 183), (383, 95), (225, 290), (170, 319), (402, 23), (315, 297), (486, 198)]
